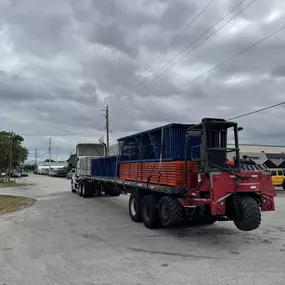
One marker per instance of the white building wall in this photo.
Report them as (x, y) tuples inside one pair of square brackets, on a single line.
[(260, 148)]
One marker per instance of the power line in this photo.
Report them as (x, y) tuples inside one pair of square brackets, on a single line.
[(42, 154), (225, 61), (177, 36), (207, 38), (257, 111), (171, 42), (111, 132)]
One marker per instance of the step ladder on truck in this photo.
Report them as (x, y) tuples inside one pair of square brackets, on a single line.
[(181, 173)]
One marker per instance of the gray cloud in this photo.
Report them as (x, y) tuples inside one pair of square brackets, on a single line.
[(278, 71), (62, 62)]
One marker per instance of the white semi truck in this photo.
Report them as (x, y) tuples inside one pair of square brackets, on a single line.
[(84, 154)]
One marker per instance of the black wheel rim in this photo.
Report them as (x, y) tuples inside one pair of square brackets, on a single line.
[(133, 206), (164, 211)]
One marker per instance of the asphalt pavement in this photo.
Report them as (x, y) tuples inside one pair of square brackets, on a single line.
[(66, 239)]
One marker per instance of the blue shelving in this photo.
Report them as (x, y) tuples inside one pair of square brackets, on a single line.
[(150, 144), (105, 167)]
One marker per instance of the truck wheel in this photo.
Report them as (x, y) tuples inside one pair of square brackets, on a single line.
[(170, 211), (84, 195), (72, 189), (250, 216), (80, 192), (150, 215), (135, 208), (87, 190)]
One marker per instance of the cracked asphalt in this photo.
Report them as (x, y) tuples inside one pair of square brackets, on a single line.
[(65, 239)]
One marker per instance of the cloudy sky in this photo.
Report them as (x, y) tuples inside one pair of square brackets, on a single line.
[(62, 62)]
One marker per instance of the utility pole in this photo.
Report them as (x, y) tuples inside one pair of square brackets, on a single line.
[(107, 124), (36, 156), (10, 156), (107, 128), (49, 151)]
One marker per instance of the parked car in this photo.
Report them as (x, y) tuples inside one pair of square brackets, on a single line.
[(16, 174), (58, 173)]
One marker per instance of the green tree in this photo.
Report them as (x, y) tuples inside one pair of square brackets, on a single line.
[(29, 167), (19, 152), (4, 150), (47, 160)]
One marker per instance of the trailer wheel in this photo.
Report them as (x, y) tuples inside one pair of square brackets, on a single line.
[(170, 211), (149, 212), (135, 208), (249, 212)]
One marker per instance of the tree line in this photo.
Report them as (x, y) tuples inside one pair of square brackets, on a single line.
[(11, 145)]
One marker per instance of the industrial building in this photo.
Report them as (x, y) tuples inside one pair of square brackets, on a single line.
[(270, 155)]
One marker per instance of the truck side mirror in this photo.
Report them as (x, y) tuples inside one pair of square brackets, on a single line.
[(239, 129)]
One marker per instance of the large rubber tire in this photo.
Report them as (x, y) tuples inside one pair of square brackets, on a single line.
[(250, 216), (72, 188), (283, 184), (170, 211), (149, 212), (135, 208), (84, 190), (80, 191), (87, 190)]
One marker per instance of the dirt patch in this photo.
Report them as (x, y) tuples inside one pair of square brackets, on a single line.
[(13, 203)]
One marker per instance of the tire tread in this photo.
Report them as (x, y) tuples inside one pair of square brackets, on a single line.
[(251, 216), (176, 211)]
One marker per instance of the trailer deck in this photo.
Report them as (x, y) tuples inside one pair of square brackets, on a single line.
[(146, 186)]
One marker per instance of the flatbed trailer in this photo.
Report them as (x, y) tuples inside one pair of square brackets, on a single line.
[(239, 191)]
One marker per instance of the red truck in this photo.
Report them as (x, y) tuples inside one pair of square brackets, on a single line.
[(173, 181)]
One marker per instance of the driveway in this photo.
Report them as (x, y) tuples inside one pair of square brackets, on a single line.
[(65, 239)]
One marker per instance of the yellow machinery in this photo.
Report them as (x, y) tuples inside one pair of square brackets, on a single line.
[(278, 177)]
